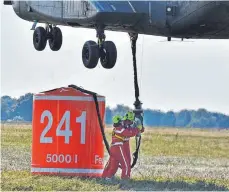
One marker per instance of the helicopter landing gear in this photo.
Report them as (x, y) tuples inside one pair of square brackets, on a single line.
[(49, 33), (104, 50)]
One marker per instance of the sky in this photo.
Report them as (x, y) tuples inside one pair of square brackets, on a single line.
[(173, 75)]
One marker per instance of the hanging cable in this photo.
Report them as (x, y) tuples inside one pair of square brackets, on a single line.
[(133, 38), (138, 105), (98, 113)]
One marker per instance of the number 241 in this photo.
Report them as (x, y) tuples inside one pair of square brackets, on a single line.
[(67, 133)]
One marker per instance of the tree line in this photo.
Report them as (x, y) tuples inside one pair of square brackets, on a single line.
[(21, 110)]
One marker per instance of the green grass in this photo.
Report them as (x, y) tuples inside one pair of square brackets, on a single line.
[(172, 142), (16, 136), (210, 145), (183, 142), (24, 181), (185, 146)]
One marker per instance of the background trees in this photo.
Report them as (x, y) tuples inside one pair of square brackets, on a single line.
[(21, 109)]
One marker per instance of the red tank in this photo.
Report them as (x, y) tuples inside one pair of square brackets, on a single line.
[(66, 134)]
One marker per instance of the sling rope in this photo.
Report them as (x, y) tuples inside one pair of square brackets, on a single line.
[(133, 48), (98, 113), (137, 103)]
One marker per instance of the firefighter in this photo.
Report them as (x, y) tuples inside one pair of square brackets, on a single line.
[(117, 153), (129, 123), (109, 169)]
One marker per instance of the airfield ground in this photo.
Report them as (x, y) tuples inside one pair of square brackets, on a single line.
[(170, 159)]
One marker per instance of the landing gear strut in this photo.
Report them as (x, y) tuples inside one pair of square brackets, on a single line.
[(104, 50), (49, 33)]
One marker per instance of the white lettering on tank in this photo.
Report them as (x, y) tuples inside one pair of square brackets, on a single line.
[(61, 158), (98, 160)]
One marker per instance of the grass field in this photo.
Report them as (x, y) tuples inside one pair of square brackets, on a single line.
[(170, 159)]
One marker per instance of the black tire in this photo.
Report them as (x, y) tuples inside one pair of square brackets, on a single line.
[(110, 58), (55, 42), (39, 39), (90, 54)]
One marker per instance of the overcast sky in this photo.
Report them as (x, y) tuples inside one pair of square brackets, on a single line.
[(172, 75)]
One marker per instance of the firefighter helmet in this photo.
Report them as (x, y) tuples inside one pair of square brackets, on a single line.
[(129, 116), (116, 119)]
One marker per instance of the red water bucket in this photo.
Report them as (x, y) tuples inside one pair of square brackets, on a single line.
[(66, 134)]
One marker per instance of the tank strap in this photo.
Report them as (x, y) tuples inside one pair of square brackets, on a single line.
[(98, 113)]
